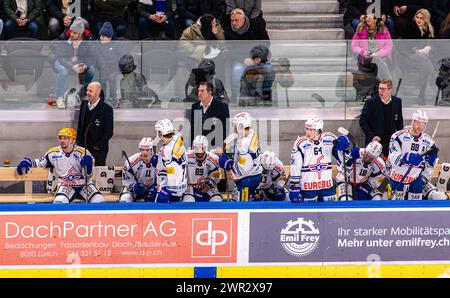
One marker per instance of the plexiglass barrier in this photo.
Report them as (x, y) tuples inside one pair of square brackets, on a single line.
[(298, 74)]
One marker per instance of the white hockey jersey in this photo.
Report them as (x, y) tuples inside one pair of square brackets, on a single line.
[(145, 172), (246, 150), (403, 142), (67, 166), (311, 162), (273, 178), (372, 173), (171, 169), (205, 172)]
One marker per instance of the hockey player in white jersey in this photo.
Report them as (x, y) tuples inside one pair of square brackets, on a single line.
[(311, 171), (365, 171), (143, 165), (171, 168), (406, 164), (203, 173), (73, 164), (273, 178), (244, 168)]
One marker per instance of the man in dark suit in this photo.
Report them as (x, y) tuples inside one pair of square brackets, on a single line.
[(381, 116), (96, 117), (209, 116)]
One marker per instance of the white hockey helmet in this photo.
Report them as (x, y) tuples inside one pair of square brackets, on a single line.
[(314, 123), (374, 148), (200, 144), (241, 121), (146, 143), (268, 160), (421, 116), (164, 127)]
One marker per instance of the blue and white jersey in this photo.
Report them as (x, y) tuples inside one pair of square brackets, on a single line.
[(273, 178), (247, 150), (311, 162), (145, 172), (172, 166), (403, 142)]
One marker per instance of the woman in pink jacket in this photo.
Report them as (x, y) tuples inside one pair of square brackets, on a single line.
[(372, 43)]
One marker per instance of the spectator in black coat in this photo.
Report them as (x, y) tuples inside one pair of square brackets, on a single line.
[(403, 12), (209, 116), (109, 11), (439, 10), (381, 116), (96, 117), (444, 33), (156, 19), (60, 17)]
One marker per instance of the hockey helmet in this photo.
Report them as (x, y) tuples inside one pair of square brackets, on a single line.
[(374, 148), (68, 132), (164, 127), (200, 144), (421, 116), (314, 123), (126, 64), (146, 143), (241, 121), (268, 160)]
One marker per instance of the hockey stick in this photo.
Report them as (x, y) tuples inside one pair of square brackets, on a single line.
[(431, 151), (344, 132), (398, 87), (437, 97), (85, 167), (124, 154)]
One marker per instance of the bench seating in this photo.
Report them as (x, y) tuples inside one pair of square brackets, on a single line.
[(9, 174)]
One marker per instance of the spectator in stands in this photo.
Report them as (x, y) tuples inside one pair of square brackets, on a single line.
[(415, 54), (109, 11), (1, 26), (381, 116), (107, 57), (204, 29), (74, 56), (257, 79), (156, 17), (440, 9), (59, 17), (22, 14), (251, 8), (444, 33), (241, 28), (190, 10), (97, 119), (209, 116), (372, 43), (403, 13), (356, 10)]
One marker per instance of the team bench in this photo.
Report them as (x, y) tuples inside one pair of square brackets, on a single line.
[(9, 174)]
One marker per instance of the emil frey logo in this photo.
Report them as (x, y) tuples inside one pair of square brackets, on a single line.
[(211, 237), (299, 238)]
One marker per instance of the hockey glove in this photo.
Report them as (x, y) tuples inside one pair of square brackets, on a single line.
[(279, 194), (87, 162), (412, 159), (198, 195), (152, 194), (154, 160), (138, 188), (225, 163), (295, 194), (343, 143), (354, 152), (163, 195), (431, 158), (25, 163)]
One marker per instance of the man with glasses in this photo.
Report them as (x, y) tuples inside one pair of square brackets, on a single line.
[(381, 116)]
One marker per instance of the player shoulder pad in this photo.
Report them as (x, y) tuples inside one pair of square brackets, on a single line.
[(254, 143), (329, 135), (178, 148), (400, 132), (53, 149), (190, 154), (135, 159), (379, 162), (213, 158), (82, 150), (300, 140)]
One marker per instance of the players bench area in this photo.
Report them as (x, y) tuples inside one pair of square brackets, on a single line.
[(110, 189)]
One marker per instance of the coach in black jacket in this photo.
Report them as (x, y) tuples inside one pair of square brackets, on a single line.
[(209, 116), (98, 116), (381, 116)]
